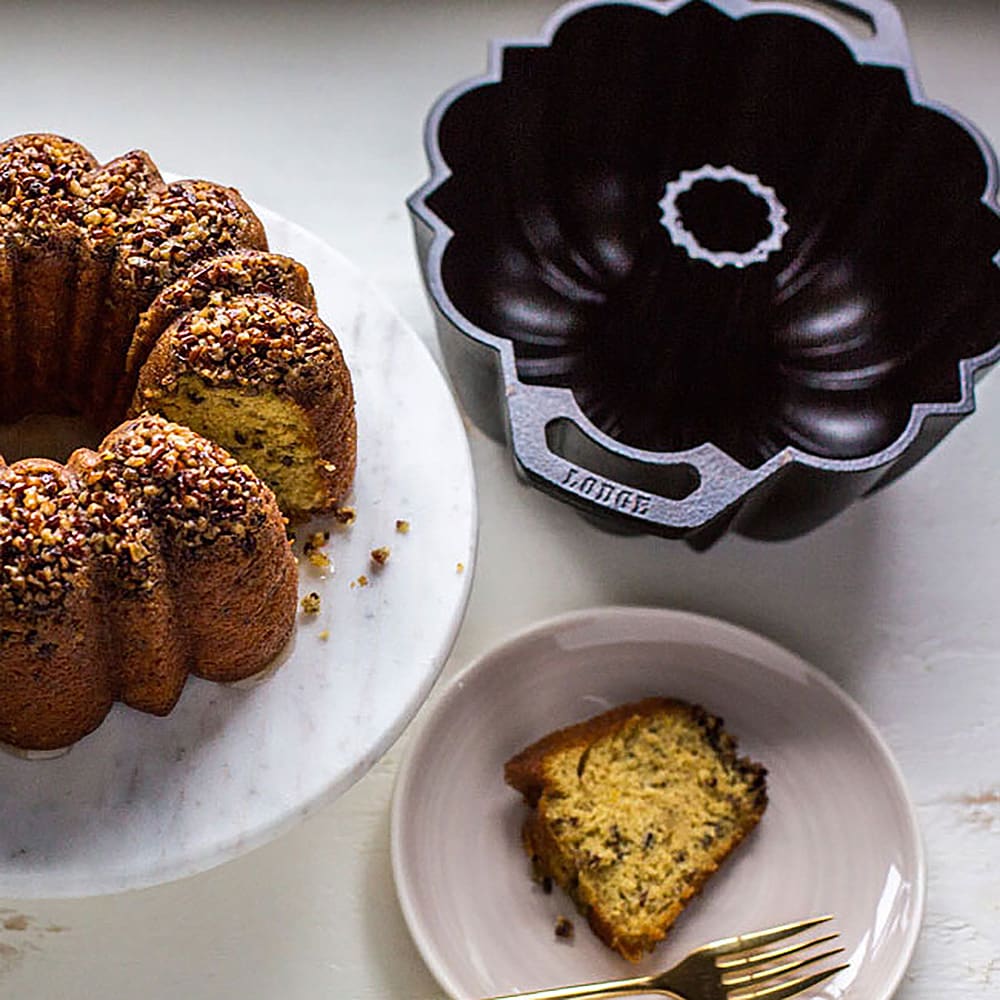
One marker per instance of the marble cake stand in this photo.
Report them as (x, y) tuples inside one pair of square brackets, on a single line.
[(144, 800)]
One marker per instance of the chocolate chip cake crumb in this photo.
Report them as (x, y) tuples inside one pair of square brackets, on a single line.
[(310, 603), (379, 556), (564, 928), (312, 549), (319, 559), (346, 515), (316, 541)]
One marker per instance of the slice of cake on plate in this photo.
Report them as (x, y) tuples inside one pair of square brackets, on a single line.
[(632, 812)]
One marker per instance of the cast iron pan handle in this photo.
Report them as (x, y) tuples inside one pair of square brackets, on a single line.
[(717, 480)]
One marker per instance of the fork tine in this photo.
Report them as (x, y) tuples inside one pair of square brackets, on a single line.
[(777, 970), (757, 939), (756, 958), (789, 988)]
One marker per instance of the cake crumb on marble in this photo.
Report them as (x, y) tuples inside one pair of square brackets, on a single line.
[(564, 928), (346, 516)]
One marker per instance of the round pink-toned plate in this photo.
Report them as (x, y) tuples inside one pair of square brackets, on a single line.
[(839, 835)]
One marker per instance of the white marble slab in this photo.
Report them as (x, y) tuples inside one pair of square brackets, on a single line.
[(146, 800)]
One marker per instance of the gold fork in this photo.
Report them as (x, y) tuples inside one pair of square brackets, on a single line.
[(732, 968)]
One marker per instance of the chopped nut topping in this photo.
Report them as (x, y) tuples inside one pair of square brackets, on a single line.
[(213, 281), (44, 543), (152, 472), (155, 231), (254, 340), (41, 183), (179, 225)]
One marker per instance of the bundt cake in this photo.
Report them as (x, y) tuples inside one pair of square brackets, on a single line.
[(633, 810), (260, 376), (128, 568), (160, 554), (97, 263)]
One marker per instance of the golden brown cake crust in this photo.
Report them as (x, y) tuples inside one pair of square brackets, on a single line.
[(129, 568), (258, 344), (96, 262), (525, 771), (216, 279), (535, 774), (84, 249)]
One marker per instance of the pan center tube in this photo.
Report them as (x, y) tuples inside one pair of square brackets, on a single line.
[(723, 216)]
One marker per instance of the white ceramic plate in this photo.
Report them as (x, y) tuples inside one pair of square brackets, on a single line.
[(145, 800), (839, 835)]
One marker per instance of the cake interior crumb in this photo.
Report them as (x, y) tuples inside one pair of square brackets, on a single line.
[(632, 819)]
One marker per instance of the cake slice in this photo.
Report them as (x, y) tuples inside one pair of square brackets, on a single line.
[(633, 810)]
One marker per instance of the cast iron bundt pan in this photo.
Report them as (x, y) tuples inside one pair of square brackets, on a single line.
[(710, 264)]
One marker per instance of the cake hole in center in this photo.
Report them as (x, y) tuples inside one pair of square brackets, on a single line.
[(724, 215), (47, 436)]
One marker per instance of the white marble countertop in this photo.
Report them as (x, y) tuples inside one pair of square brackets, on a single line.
[(316, 111)]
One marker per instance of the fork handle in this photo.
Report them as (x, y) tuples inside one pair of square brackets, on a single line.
[(613, 988)]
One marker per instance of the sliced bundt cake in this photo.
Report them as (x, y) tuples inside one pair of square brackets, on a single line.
[(266, 379), (86, 248), (245, 272), (633, 810), (128, 568), (96, 262), (159, 554)]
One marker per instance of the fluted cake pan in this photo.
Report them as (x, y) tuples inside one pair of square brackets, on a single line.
[(710, 264)]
